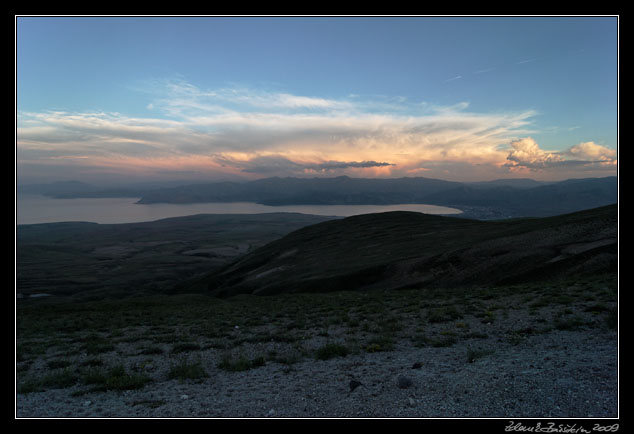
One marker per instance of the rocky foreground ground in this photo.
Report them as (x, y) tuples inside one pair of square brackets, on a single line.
[(540, 351)]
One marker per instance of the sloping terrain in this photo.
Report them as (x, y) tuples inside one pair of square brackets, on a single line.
[(403, 249), (83, 259)]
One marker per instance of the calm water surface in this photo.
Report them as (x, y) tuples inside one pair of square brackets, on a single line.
[(41, 209)]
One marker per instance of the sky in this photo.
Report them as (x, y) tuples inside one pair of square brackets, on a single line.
[(145, 98)]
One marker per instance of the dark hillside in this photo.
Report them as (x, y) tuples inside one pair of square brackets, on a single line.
[(82, 259), (403, 249)]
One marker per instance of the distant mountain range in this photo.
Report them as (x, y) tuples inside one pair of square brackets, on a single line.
[(485, 200), (77, 189), (403, 249)]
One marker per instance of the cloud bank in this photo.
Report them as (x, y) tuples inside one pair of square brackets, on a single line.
[(526, 154), (278, 164), (242, 132)]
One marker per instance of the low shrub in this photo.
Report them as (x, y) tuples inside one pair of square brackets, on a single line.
[(475, 354), (56, 380), (187, 371), (116, 378), (241, 363), (331, 350), (185, 347)]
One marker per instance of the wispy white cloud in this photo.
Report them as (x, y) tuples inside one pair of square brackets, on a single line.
[(483, 71), (457, 77), (521, 62), (179, 98), (239, 131)]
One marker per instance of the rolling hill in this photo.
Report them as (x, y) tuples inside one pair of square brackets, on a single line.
[(403, 249), (82, 259)]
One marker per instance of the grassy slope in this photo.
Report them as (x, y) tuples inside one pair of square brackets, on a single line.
[(403, 249), (78, 258)]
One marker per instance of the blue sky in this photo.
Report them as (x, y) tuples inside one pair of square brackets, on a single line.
[(457, 98)]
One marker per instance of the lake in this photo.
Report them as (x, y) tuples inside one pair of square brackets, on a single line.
[(41, 209)]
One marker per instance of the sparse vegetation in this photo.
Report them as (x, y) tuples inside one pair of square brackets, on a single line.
[(384, 342), (612, 319), (96, 344), (57, 363), (151, 350), (571, 323), (92, 362), (240, 363), (443, 341), (331, 350), (185, 347), (184, 370), (114, 378), (444, 314), (150, 403), (45, 333), (474, 354), (59, 379), (488, 317)]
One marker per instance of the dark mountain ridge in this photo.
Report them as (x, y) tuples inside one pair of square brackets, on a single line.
[(403, 249), (302, 191), (508, 198), (482, 200), (502, 198)]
